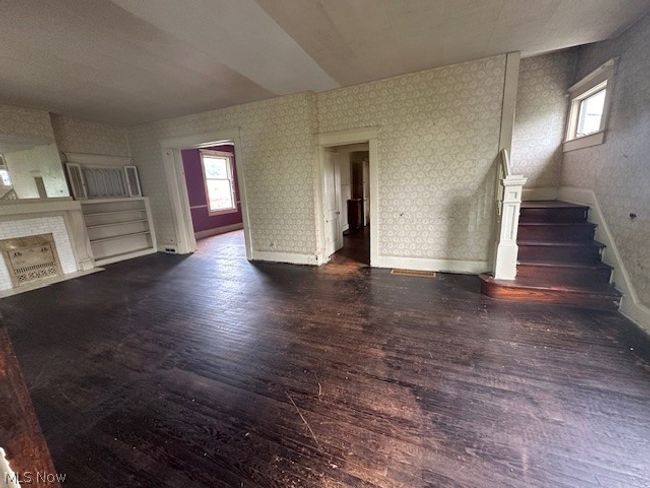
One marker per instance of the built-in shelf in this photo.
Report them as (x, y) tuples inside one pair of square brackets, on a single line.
[(118, 229), (113, 213), (121, 236), (115, 223)]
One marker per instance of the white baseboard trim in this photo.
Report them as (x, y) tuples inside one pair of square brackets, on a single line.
[(637, 312), (202, 234), (286, 257), (427, 264), (631, 306), (542, 193)]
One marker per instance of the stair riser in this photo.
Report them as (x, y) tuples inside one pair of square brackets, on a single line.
[(565, 276), (568, 254), (556, 297), (555, 233), (559, 261), (571, 214)]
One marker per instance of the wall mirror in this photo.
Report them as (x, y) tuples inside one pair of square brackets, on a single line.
[(30, 168)]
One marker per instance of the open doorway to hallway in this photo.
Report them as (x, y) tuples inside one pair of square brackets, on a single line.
[(212, 190), (347, 203)]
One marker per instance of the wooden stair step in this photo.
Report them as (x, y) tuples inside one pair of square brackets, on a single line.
[(570, 274), (595, 297), (552, 211), (551, 204), (559, 261), (556, 231), (541, 283), (560, 251)]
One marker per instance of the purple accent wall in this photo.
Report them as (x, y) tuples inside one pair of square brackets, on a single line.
[(201, 220)]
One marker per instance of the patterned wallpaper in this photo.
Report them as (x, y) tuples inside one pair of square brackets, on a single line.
[(25, 121), (439, 132), (439, 137), (81, 136), (541, 116), (277, 155), (618, 171)]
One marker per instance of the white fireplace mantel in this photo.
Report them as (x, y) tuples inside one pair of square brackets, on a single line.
[(38, 205), (12, 212)]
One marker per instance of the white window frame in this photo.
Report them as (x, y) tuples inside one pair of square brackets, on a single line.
[(77, 181), (4, 169), (231, 178), (602, 77), (132, 178)]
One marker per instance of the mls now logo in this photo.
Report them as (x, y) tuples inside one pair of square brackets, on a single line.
[(12, 480)]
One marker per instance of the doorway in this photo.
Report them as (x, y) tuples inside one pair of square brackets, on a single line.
[(212, 189), (347, 203), (181, 205)]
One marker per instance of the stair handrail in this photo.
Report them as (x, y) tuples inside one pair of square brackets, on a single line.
[(509, 190), (503, 171)]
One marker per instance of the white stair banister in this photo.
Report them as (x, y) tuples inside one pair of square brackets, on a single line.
[(509, 193)]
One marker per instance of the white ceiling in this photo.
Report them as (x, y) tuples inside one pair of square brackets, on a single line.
[(130, 61)]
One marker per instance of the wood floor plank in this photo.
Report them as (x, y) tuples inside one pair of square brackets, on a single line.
[(211, 371)]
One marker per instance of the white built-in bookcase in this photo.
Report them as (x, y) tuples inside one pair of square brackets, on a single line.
[(120, 226)]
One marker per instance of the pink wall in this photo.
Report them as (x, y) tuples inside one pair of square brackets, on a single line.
[(201, 220)]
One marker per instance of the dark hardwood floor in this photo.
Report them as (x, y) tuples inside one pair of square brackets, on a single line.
[(355, 250), (21, 438), (209, 371)]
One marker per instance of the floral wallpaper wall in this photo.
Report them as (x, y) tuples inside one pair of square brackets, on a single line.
[(618, 171), (438, 141), (25, 122), (82, 136), (439, 134), (540, 117), (277, 154)]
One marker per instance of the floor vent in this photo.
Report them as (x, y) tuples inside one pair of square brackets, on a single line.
[(413, 272)]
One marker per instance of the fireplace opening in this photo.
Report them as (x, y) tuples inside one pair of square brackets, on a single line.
[(31, 258)]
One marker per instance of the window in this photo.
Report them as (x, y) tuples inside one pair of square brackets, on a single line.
[(590, 112), (218, 173), (590, 99), (5, 179)]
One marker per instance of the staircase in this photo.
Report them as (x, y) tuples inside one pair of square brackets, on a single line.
[(559, 261)]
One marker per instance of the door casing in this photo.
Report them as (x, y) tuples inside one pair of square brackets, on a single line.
[(332, 201), (177, 190), (342, 138)]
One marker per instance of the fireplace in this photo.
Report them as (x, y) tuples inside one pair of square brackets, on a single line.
[(31, 258)]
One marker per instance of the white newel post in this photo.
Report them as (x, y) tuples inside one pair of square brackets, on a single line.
[(505, 260)]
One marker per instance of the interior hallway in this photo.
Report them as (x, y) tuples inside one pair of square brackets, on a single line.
[(355, 250), (210, 371)]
